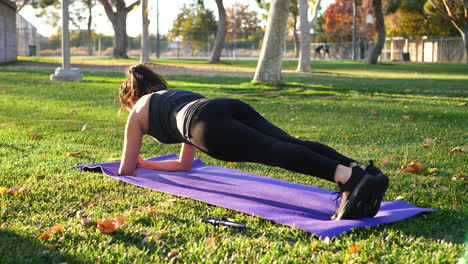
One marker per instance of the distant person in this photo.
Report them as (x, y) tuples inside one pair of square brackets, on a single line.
[(231, 130), (318, 51), (327, 50)]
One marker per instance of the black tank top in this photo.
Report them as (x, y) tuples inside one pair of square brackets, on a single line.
[(163, 108)]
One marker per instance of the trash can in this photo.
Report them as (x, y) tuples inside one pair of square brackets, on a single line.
[(406, 56), (32, 50)]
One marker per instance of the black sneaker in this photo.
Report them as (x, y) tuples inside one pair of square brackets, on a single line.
[(361, 195), (372, 169)]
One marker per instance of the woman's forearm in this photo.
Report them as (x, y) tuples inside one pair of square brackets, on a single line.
[(167, 165)]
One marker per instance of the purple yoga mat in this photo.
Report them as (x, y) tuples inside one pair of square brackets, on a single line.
[(305, 207)]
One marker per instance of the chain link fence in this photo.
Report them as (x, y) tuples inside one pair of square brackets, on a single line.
[(440, 49)]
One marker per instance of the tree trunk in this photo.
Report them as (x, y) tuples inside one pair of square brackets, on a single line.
[(380, 28), (220, 33), (89, 32), (271, 55), (465, 43), (304, 54), (296, 38), (145, 35), (119, 23)]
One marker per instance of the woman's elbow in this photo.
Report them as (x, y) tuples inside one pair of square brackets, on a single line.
[(185, 166)]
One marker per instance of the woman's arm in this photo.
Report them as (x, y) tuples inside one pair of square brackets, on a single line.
[(184, 163), (132, 145)]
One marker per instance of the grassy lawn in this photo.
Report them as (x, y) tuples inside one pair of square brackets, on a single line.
[(384, 112)]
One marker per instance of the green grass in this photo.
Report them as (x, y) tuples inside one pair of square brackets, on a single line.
[(342, 105)]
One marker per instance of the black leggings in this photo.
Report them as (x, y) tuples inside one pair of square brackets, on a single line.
[(230, 130)]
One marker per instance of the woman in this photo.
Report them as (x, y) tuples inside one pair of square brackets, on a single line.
[(230, 130)]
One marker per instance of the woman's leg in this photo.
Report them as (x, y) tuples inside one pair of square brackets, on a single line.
[(231, 130), (247, 115)]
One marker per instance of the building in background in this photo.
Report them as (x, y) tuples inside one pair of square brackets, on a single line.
[(28, 38), (8, 44)]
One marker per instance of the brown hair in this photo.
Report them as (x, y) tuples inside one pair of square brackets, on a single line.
[(141, 80)]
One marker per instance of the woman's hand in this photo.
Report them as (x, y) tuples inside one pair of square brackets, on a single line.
[(141, 163)]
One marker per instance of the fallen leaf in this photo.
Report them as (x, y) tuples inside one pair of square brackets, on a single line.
[(346, 137), (432, 170), (73, 153), (110, 225), (413, 167), (390, 155), (73, 111), (456, 207), (56, 228), (172, 253), (155, 237), (45, 236), (34, 136), (51, 247), (89, 143), (463, 104), (3, 190), (428, 142), (353, 249), (212, 240), (39, 176), (150, 210), (314, 246), (384, 161), (42, 158), (407, 117), (375, 149), (399, 197), (16, 190), (232, 163), (457, 176), (84, 128), (459, 149)]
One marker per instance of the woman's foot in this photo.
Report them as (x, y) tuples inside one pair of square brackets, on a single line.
[(369, 168), (361, 195)]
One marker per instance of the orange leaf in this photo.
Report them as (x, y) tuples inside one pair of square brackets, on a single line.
[(458, 176), (172, 253), (45, 236), (110, 225), (56, 228), (42, 158), (232, 163), (34, 136), (353, 249), (413, 167), (375, 149), (89, 143), (459, 149), (346, 137), (212, 240), (384, 161)]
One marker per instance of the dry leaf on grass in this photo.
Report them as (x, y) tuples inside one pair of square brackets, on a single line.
[(413, 167), (110, 224), (73, 153), (34, 136), (353, 249), (407, 117), (172, 253), (212, 240), (459, 149), (56, 228), (45, 236)]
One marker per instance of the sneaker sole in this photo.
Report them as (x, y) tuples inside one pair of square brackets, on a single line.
[(365, 199)]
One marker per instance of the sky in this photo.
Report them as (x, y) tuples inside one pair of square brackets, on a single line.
[(168, 11)]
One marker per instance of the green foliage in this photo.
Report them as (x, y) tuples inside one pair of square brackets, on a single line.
[(415, 18), (194, 23), (363, 102)]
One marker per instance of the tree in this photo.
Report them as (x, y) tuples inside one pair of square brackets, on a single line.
[(456, 12), (243, 21), (269, 63), (415, 18), (118, 19), (376, 49), (194, 24), (145, 34), (305, 26), (220, 33)]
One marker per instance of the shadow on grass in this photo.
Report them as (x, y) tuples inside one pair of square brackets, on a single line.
[(16, 248), (444, 225)]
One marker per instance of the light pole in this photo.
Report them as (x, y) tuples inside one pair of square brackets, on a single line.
[(157, 30), (66, 73)]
